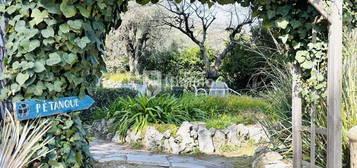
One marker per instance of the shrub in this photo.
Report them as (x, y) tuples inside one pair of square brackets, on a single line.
[(219, 112), (230, 104), (137, 113), (123, 78), (176, 91), (103, 98), (164, 127), (221, 121)]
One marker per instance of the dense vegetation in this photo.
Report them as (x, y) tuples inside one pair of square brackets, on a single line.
[(219, 112), (103, 98)]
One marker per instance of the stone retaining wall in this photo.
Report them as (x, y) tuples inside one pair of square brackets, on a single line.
[(189, 137)]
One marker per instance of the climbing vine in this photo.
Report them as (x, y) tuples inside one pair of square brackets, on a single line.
[(54, 50)]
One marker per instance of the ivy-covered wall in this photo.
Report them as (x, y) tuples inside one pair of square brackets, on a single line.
[(54, 50)]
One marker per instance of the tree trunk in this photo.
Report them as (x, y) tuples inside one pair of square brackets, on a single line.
[(210, 72), (134, 64)]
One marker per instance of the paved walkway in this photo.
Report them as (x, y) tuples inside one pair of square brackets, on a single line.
[(111, 155)]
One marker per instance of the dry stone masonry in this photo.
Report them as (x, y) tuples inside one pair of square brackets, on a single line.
[(189, 137)]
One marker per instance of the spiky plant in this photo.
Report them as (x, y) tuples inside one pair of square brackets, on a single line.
[(349, 115), (20, 141)]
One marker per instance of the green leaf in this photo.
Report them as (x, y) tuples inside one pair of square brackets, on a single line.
[(16, 65), (320, 77), (38, 89), (84, 12), (64, 28), (296, 23), (54, 59), (15, 87), (13, 20), (284, 38), (76, 24), (4, 76), (55, 164), (47, 42), (17, 98), (11, 9), (29, 33), (39, 67), (68, 9), (68, 124), (30, 45), (82, 43), (4, 93), (2, 8), (296, 45), (49, 32), (301, 55), (282, 23), (307, 65), (20, 26), (103, 5), (21, 78), (49, 86), (70, 58), (27, 65), (51, 6), (271, 14), (38, 16), (283, 10), (50, 22), (57, 86)]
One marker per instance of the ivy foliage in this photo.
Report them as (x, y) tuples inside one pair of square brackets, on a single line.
[(51, 44), (54, 50)]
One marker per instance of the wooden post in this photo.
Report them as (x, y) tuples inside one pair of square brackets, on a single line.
[(313, 116), (334, 87), (352, 135), (313, 136), (333, 13), (296, 117)]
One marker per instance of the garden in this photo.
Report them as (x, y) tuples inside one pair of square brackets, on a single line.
[(177, 83)]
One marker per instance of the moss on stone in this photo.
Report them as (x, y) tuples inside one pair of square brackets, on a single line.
[(164, 127)]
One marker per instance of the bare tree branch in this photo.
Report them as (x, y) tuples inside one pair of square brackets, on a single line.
[(232, 36)]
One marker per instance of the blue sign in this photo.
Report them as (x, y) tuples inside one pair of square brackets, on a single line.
[(31, 109)]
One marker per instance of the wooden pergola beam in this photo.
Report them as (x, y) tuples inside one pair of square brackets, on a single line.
[(321, 7)]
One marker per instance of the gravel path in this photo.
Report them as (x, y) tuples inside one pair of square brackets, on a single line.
[(111, 155)]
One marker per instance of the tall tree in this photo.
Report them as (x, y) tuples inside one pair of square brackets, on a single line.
[(139, 28), (183, 17)]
